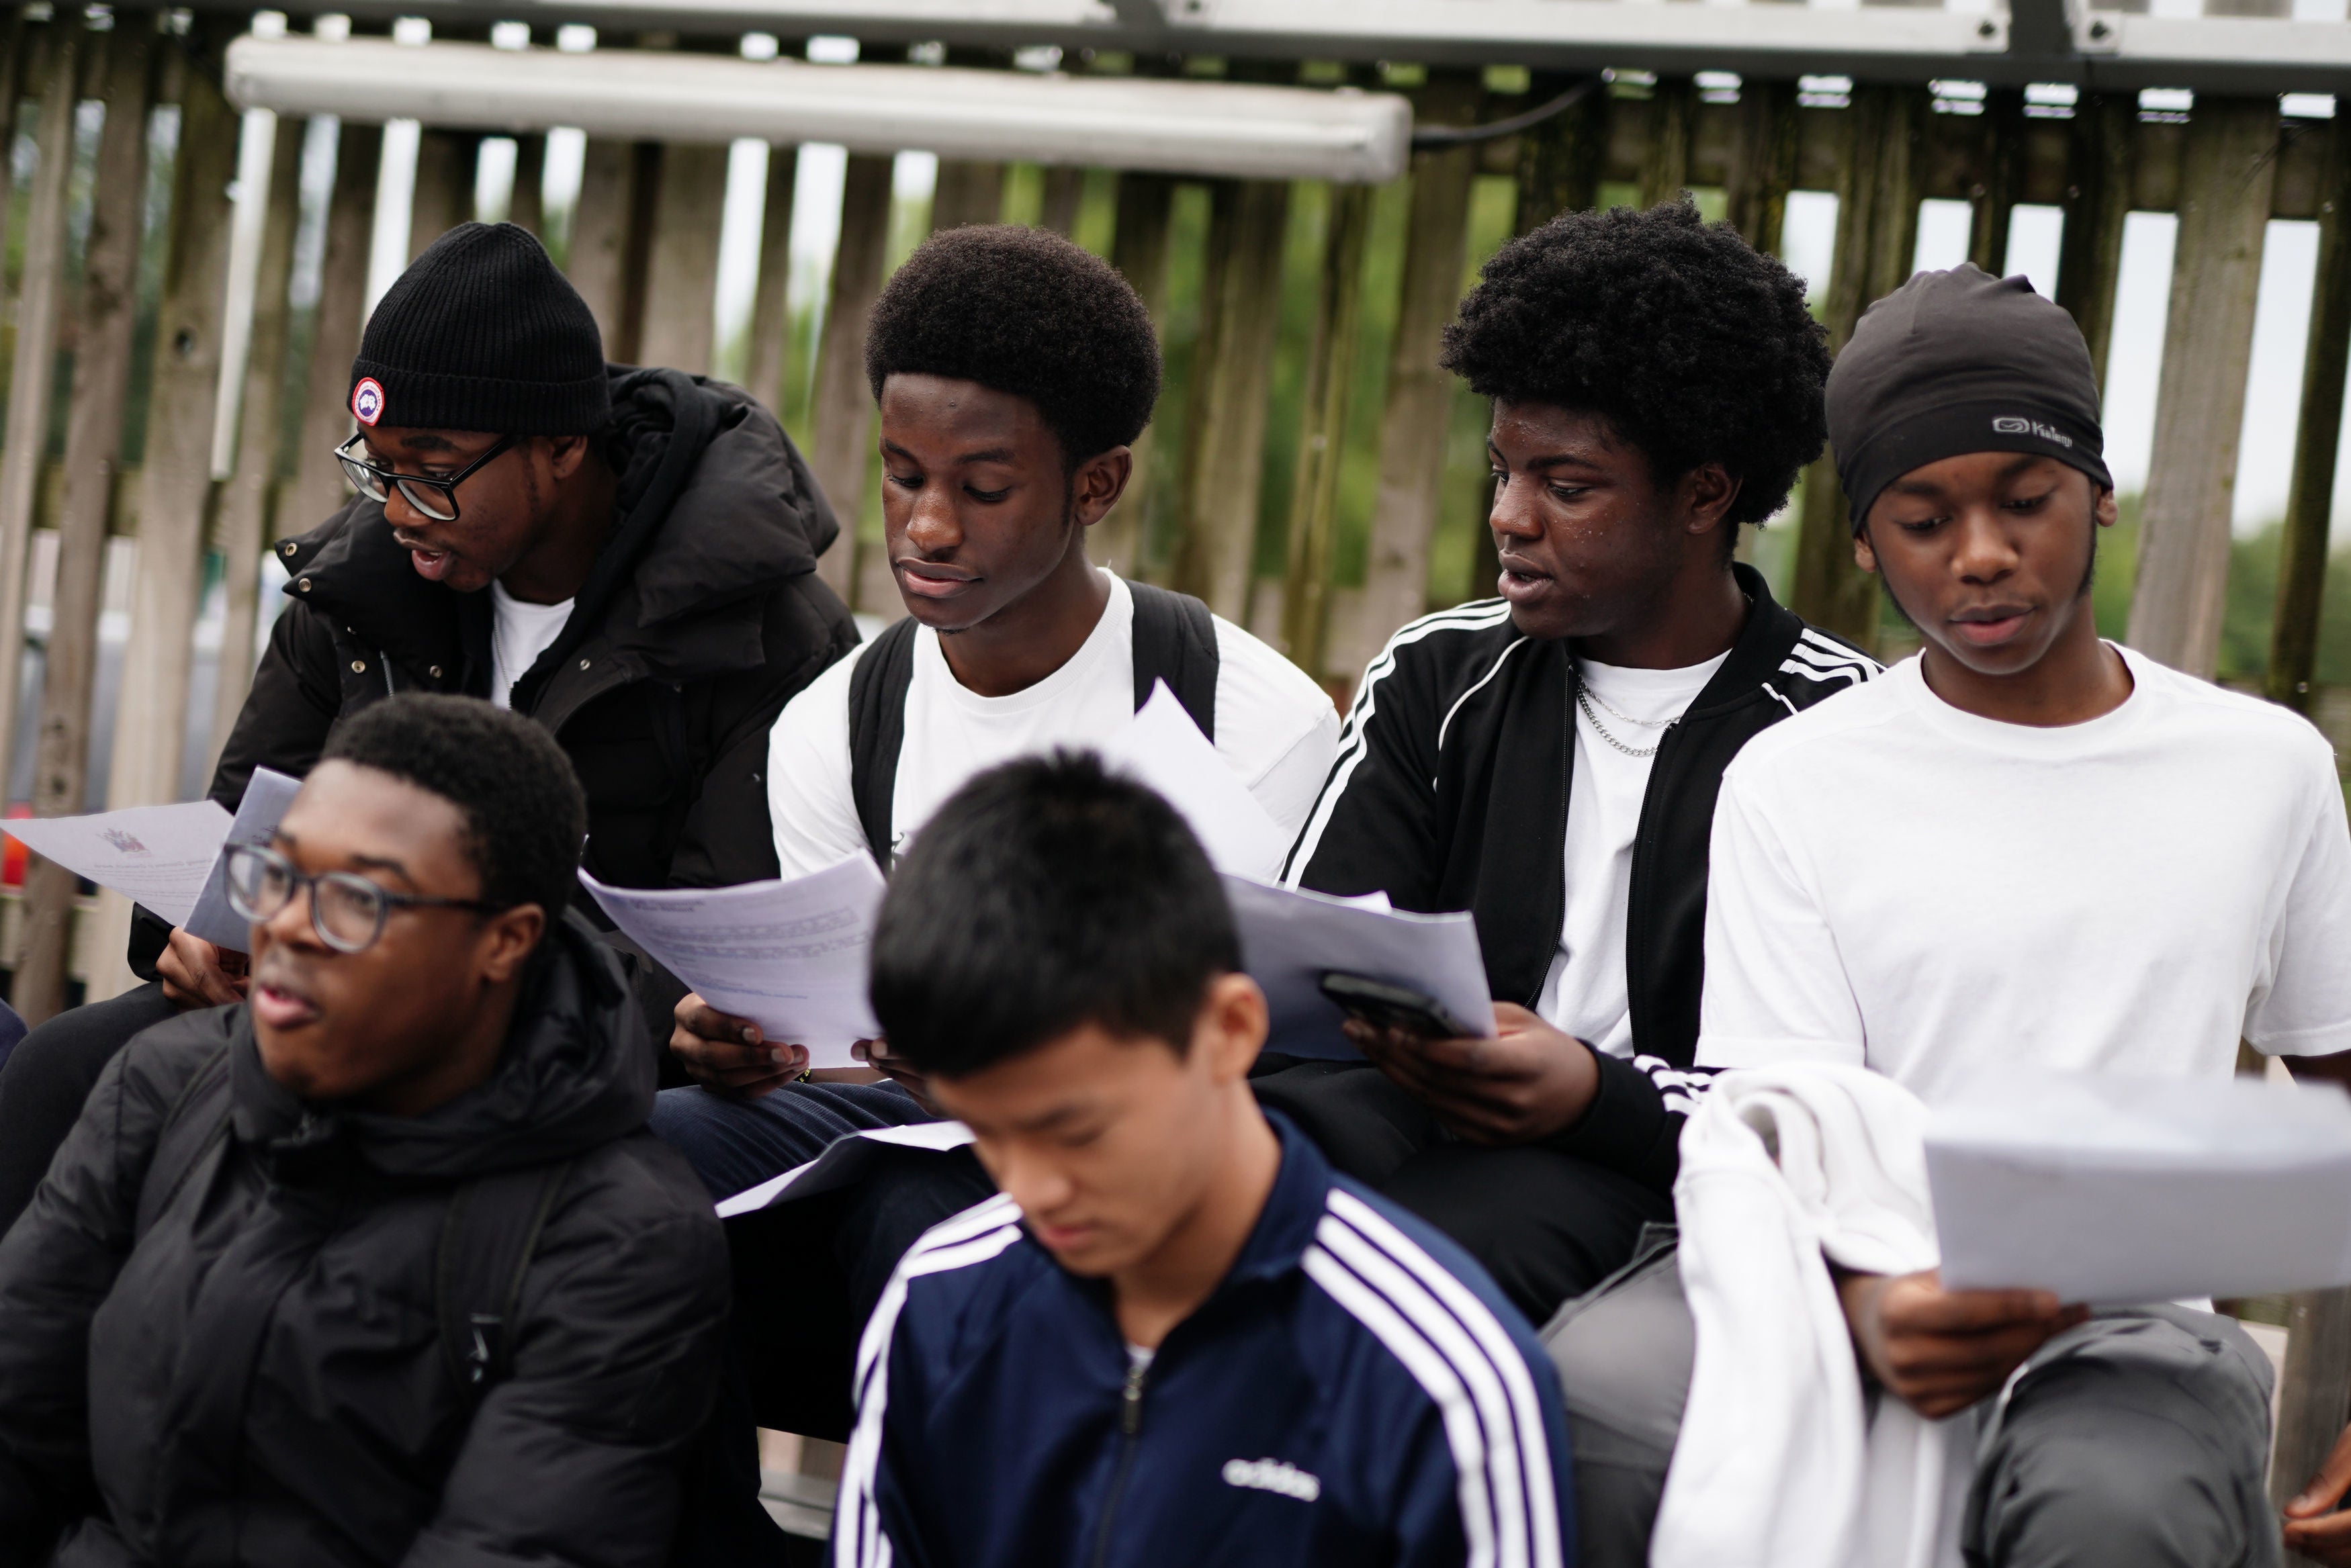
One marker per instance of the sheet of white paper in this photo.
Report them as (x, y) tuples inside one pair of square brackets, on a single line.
[(267, 795), (789, 956), (152, 854), (842, 1164), (1290, 939), (1163, 748), (2120, 1189)]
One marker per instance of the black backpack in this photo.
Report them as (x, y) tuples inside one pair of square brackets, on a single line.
[(1175, 641), (488, 1231)]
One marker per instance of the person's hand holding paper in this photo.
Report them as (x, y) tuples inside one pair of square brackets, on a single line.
[(730, 1055), (778, 969)]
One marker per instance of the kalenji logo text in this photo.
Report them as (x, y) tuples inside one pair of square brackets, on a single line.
[(2008, 424)]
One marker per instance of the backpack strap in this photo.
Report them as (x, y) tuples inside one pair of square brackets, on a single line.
[(196, 1124), (1175, 641), (877, 731), (488, 1232)]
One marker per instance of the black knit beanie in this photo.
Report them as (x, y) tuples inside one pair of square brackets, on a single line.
[(482, 332), (1955, 362)]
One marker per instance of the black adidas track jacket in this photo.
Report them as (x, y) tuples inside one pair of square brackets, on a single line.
[(1450, 792)]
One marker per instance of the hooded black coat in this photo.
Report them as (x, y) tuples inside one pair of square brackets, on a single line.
[(702, 618), (259, 1379)]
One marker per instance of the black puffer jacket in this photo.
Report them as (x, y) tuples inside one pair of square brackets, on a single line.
[(259, 1379), (702, 618)]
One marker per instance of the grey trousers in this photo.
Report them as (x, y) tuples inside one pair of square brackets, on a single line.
[(2139, 1437)]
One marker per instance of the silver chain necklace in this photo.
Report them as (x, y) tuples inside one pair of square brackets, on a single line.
[(1585, 697)]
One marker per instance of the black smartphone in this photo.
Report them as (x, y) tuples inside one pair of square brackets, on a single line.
[(1385, 1006)]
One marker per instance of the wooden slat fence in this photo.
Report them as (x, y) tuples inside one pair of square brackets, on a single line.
[(1300, 482)]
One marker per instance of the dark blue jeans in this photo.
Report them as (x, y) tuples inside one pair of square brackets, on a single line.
[(808, 1271), (736, 1144)]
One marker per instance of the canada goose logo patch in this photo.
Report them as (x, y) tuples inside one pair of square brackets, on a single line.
[(367, 401), (1273, 1475)]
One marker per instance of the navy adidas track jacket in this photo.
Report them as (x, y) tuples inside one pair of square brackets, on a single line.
[(1355, 1392)]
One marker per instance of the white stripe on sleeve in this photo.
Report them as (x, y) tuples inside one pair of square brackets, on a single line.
[(974, 1236), (1499, 1352), (1352, 742)]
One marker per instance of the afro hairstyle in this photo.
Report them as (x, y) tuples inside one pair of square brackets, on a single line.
[(1694, 347), (1025, 312), (525, 812)]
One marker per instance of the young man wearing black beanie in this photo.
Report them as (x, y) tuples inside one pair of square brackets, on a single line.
[(2025, 847), (627, 555)]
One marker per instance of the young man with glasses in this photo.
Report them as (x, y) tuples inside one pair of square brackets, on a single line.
[(380, 1266), (626, 555)]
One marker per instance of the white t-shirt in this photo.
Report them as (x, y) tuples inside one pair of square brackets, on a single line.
[(1586, 992), (520, 633), (1899, 884), (1275, 726)]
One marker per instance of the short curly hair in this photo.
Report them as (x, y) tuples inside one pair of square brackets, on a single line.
[(1694, 346), (525, 812), (1025, 312)]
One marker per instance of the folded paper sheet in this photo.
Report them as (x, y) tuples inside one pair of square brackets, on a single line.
[(789, 956), (1163, 748), (157, 855), (843, 1164), (267, 795), (2109, 1190), (1290, 939)]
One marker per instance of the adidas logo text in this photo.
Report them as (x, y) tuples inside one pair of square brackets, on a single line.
[(1273, 1475)]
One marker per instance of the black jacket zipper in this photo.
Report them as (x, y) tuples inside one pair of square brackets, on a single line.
[(1130, 1423)]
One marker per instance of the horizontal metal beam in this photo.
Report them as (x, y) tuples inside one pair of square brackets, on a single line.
[(1196, 127), (2049, 41), (2214, 54)]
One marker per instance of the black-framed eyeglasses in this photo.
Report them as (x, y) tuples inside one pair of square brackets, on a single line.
[(436, 498), (347, 910)]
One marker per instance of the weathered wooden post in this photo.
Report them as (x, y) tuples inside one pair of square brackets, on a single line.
[(1139, 250), (1877, 226), (1413, 426), (772, 326), (2226, 178), (444, 194), (967, 192), (1559, 159), (243, 525), (840, 421), (599, 261), (1762, 163), (2097, 203), (1330, 376), (93, 448), (319, 489), (2002, 127), (40, 302), (176, 477), (2314, 1396), (528, 207), (682, 270), (1666, 156), (1231, 376), (1065, 186), (2310, 496)]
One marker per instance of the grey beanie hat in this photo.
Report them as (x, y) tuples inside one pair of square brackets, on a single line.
[(1955, 362)]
